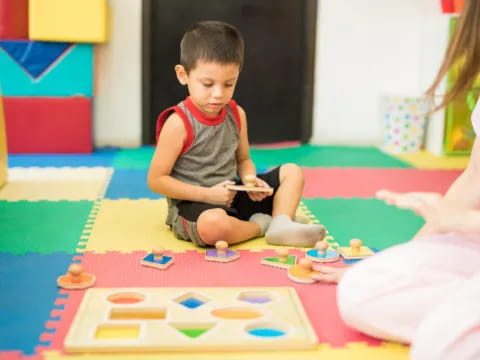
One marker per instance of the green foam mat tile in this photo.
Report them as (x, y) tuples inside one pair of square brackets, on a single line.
[(138, 158), (43, 227), (326, 156), (378, 225)]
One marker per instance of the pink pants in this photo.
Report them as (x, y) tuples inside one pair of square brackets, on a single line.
[(425, 293)]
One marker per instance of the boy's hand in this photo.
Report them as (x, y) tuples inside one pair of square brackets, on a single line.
[(257, 195), (220, 195), (440, 214)]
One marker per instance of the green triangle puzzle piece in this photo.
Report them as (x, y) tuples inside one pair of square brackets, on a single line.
[(193, 333), (290, 260)]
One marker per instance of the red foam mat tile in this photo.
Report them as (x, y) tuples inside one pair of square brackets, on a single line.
[(365, 182), (190, 269), (48, 125)]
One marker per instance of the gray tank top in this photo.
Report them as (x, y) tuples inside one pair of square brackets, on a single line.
[(208, 156)]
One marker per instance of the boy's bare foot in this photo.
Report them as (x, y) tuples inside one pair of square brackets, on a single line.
[(328, 274), (285, 232)]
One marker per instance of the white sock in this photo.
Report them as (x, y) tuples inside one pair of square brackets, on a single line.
[(262, 220), (283, 231)]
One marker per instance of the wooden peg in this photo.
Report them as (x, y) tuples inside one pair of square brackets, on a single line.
[(76, 278)]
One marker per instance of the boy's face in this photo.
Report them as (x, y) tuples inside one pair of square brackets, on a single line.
[(210, 85)]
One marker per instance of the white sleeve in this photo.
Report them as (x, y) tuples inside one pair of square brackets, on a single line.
[(476, 118)]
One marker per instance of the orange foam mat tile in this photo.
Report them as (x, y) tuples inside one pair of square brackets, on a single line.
[(129, 225), (53, 184), (352, 351)]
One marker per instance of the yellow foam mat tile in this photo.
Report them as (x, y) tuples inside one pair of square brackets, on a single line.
[(352, 351), (426, 160), (53, 184), (129, 225)]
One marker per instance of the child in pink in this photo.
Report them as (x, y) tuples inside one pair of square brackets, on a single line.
[(425, 292)]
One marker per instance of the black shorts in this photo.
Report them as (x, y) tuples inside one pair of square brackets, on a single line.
[(242, 208)]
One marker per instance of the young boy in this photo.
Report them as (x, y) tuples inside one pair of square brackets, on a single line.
[(202, 145)]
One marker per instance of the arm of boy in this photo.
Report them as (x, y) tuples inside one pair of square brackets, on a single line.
[(169, 148), (245, 166)]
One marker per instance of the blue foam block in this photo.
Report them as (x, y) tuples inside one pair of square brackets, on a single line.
[(35, 57), (70, 75), (28, 291), (130, 184)]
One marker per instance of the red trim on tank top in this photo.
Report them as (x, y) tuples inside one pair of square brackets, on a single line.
[(236, 115), (188, 127), (200, 116)]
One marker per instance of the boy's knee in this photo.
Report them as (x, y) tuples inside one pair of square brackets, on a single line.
[(291, 170), (212, 225)]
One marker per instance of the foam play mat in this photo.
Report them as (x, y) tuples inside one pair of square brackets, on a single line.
[(96, 210)]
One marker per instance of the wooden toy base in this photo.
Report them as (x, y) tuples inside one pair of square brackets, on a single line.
[(250, 188), (349, 254), (277, 262), (85, 281), (214, 255), (162, 263), (328, 256), (298, 274), (188, 319)]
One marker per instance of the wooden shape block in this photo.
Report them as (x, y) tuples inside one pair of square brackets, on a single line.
[(302, 273), (76, 278), (157, 260), (327, 256), (72, 20), (48, 125), (70, 75), (215, 255), (223, 319), (13, 19), (221, 253), (3, 146), (279, 262), (250, 188), (352, 254)]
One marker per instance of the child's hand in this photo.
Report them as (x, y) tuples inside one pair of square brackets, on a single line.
[(440, 214), (220, 195), (257, 195)]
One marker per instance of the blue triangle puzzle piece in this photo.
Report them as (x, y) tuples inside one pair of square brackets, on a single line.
[(35, 57)]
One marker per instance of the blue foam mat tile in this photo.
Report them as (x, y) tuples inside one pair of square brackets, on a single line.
[(29, 290), (130, 184), (101, 157)]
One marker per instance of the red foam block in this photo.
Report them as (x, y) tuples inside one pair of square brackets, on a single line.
[(448, 6), (365, 182), (190, 269), (13, 19), (48, 125)]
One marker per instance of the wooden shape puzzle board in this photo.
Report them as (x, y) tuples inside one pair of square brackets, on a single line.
[(187, 319)]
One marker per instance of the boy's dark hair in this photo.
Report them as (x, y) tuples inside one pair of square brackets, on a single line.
[(211, 41)]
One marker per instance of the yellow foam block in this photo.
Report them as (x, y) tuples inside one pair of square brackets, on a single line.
[(3, 146), (130, 225), (68, 20), (427, 160)]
